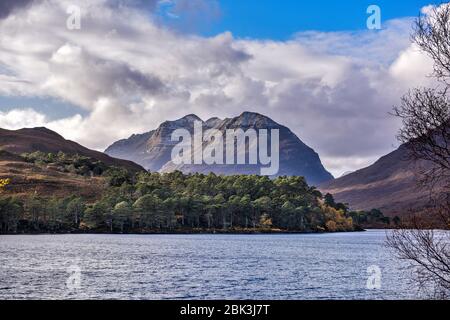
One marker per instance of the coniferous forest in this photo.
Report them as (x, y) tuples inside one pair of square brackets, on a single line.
[(147, 202)]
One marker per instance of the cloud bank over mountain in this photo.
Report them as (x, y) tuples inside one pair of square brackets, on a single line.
[(130, 72), (9, 6)]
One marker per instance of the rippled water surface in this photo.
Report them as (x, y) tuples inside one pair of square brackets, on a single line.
[(326, 266)]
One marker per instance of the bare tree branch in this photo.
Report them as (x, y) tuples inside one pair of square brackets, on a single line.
[(425, 132)]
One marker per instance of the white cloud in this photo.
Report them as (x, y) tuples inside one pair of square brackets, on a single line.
[(29, 118), (412, 68), (21, 118), (333, 89)]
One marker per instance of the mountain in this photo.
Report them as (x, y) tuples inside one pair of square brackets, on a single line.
[(390, 184), (42, 139), (153, 149)]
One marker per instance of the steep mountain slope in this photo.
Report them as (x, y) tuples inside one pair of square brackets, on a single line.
[(153, 149), (45, 140), (390, 184), (132, 149)]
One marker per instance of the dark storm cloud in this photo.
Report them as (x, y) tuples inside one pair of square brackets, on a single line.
[(8, 6)]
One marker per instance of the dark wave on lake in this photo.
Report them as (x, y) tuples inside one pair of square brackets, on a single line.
[(322, 266)]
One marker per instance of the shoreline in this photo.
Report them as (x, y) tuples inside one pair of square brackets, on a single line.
[(216, 232)]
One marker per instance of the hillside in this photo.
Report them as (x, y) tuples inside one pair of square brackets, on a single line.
[(390, 184), (45, 140), (29, 178)]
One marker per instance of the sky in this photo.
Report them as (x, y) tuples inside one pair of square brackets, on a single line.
[(268, 19), (313, 66)]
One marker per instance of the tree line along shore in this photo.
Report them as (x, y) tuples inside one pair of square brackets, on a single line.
[(148, 202)]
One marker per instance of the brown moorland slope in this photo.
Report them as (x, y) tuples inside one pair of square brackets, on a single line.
[(390, 184), (46, 180), (45, 140), (29, 178)]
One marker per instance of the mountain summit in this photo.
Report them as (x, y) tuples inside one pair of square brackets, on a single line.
[(153, 149)]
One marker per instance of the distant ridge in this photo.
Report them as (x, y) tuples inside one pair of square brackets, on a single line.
[(153, 149), (390, 184), (45, 140)]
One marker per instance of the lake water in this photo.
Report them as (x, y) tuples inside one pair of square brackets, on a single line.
[(325, 266)]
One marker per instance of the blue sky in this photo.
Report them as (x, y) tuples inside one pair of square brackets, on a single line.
[(274, 19), (53, 108)]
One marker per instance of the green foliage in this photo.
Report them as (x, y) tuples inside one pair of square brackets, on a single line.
[(329, 200), (372, 218), (116, 177), (11, 210), (153, 202), (75, 164)]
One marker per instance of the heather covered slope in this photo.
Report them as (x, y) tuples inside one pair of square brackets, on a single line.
[(45, 140), (31, 179), (390, 184)]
